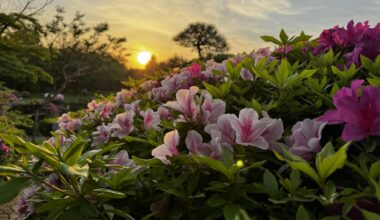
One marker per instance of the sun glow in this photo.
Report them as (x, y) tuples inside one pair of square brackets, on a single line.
[(143, 57)]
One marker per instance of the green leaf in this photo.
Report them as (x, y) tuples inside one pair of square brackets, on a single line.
[(89, 154), (10, 189), (330, 164), (213, 90), (370, 215), (213, 164), (53, 204), (271, 39), (228, 157), (282, 73), (373, 81), (302, 214), (335, 217), (270, 183), (75, 170), (121, 213), (283, 36), (306, 169), (107, 193), (12, 140), (231, 212), (376, 185), (216, 201), (374, 171), (73, 153), (10, 170), (80, 209)]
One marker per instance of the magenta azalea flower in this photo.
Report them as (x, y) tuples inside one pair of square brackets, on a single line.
[(283, 50), (194, 142), (361, 115), (305, 138), (4, 150), (356, 39), (195, 71), (211, 109), (122, 125), (169, 148), (249, 129), (151, 119), (185, 103)]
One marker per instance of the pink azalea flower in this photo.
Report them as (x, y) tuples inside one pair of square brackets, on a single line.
[(185, 103), (211, 66), (223, 128), (105, 109), (159, 94), (211, 109), (122, 159), (177, 81), (305, 138), (62, 141), (151, 119), (122, 125), (53, 180), (101, 135), (273, 131), (25, 206), (64, 118), (238, 58), (361, 115), (134, 106), (194, 142), (59, 97), (261, 53), (169, 148), (125, 95), (163, 113), (245, 74), (249, 129), (65, 122), (91, 106), (148, 85)]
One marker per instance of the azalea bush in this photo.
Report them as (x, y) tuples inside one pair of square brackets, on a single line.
[(289, 133), (12, 122)]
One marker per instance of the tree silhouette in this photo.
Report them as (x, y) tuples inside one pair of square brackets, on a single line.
[(202, 37)]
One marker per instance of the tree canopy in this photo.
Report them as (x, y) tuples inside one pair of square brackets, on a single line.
[(202, 37)]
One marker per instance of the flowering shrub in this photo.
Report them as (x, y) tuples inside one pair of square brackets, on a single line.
[(261, 135)]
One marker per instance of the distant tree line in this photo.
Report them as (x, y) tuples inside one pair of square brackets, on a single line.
[(60, 55)]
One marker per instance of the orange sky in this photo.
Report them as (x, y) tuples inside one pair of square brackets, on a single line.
[(151, 24)]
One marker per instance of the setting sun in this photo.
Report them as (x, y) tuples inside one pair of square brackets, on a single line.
[(144, 57)]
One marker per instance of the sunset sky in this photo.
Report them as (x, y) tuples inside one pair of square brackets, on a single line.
[(151, 24)]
